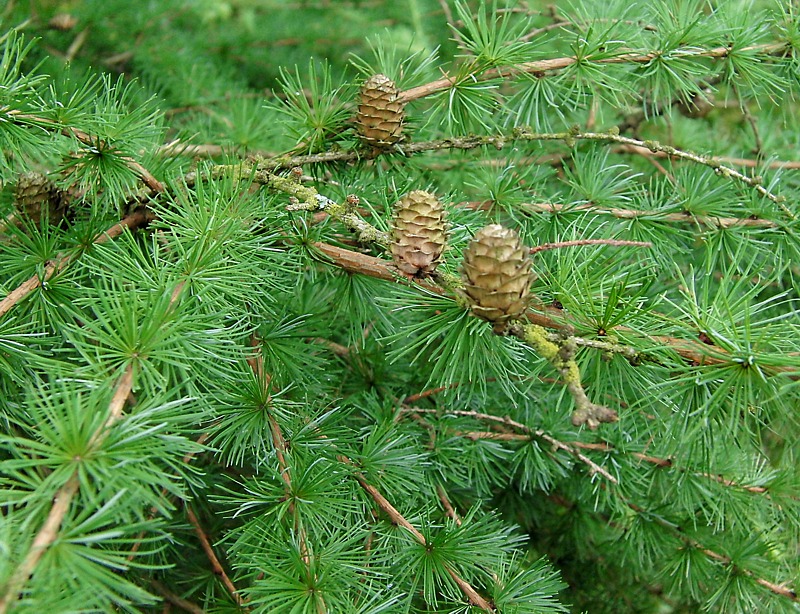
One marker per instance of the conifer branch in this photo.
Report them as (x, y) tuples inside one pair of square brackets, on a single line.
[(549, 66), (398, 519), (561, 355), (241, 257), (448, 16), (256, 363), (692, 351), (569, 137), (87, 139), (781, 590), (672, 152), (62, 500), (745, 162), (526, 433), (131, 222)]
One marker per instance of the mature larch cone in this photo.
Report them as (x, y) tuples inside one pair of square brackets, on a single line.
[(380, 114), (35, 196), (419, 233), (497, 275)]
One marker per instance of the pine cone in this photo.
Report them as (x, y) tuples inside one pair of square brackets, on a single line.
[(419, 233), (380, 114), (35, 196), (497, 275)]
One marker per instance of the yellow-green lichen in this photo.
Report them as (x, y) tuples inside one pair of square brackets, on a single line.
[(536, 337)]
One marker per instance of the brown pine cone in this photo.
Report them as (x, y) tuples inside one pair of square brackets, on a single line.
[(419, 233), (35, 197), (380, 114), (497, 275)]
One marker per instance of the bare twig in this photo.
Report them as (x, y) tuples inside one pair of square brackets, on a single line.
[(614, 242), (174, 599), (673, 152), (216, 566), (759, 145), (448, 507)]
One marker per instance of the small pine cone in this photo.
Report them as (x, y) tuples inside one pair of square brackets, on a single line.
[(419, 233), (497, 275), (380, 114), (35, 197)]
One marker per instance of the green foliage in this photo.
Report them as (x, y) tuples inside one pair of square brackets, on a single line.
[(217, 392)]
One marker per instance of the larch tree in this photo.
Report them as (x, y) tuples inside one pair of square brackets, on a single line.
[(368, 307)]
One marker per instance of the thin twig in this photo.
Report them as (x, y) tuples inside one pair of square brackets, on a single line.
[(614, 242), (216, 566), (174, 599), (448, 507), (673, 152), (746, 162), (759, 144), (632, 214), (499, 141)]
